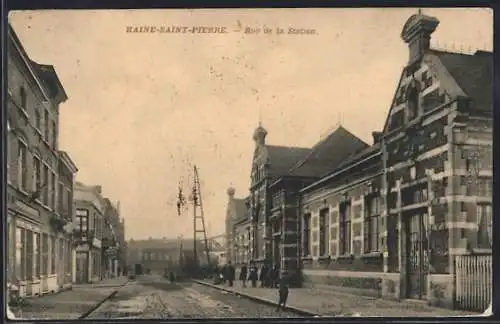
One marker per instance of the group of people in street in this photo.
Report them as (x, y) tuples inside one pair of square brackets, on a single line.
[(268, 276)]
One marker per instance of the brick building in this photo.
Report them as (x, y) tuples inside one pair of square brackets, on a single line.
[(392, 219), (268, 164), (237, 229), (284, 220), (113, 240), (89, 230), (158, 254), (38, 176)]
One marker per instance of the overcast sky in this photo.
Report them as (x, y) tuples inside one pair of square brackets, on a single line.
[(143, 108)]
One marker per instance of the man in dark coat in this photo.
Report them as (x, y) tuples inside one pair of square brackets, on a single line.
[(243, 275), (230, 273), (263, 275), (275, 275), (253, 276), (283, 290)]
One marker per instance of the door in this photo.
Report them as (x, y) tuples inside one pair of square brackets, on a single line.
[(82, 267), (276, 250), (417, 260)]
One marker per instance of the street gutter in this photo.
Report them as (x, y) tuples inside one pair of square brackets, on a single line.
[(99, 304), (266, 301)]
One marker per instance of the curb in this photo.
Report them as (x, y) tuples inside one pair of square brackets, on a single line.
[(258, 299), (99, 304)]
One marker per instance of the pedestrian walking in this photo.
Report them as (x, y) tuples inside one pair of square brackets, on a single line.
[(243, 275), (283, 290), (263, 275), (253, 276), (230, 272), (275, 275)]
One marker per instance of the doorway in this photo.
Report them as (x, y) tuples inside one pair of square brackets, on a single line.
[(417, 255)]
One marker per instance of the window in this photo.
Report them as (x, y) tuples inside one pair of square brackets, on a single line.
[(54, 134), (306, 236), (37, 173), (412, 103), (371, 225), (53, 255), (53, 189), (45, 199), (29, 254), (485, 223), (69, 201), (45, 254), (323, 232), (37, 257), (426, 79), (23, 98), (22, 172), (61, 207), (485, 187), (21, 253), (69, 258), (345, 229), (46, 120), (38, 120), (61, 253)]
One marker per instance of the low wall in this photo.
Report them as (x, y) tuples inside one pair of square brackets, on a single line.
[(373, 284), (440, 290)]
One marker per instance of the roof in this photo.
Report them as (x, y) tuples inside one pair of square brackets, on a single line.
[(473, 74), (328, 154), (51, 80), (282, 158), (241, 209), (66, 159), (373, 149)]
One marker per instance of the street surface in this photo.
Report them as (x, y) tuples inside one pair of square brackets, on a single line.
[(153, 297)]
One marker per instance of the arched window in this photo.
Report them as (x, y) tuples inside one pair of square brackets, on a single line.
[(412, 109)]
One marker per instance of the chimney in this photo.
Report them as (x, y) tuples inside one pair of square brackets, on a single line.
[(417, 34), (231, 192), (376, 136), (98, 189)]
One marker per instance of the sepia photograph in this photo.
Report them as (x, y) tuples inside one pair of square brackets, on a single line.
[(249, 163)]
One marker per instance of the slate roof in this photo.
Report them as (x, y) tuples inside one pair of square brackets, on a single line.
[(240, 208), (328, 154), (282, 158), (473, 73)]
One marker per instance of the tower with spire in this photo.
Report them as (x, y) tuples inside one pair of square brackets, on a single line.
[(259, 135)]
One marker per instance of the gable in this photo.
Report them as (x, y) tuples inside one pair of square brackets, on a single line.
[(328, 154), (440, 78)]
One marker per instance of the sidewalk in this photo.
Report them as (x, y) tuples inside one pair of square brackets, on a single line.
[(324, 302), (69, 304)]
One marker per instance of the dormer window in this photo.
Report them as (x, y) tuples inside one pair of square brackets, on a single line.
[(426, 79)]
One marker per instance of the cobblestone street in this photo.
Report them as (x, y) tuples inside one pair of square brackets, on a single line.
[(152, 297)]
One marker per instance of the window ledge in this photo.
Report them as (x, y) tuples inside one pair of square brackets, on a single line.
[(478, 251), (324, 257), (309, 257), (345, 257), (372, 255)]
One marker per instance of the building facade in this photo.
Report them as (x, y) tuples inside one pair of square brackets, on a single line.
[(237, 210), (268, 164), (392, 221), (39, 242), (285, 195), (89, 230), (112, 264)]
